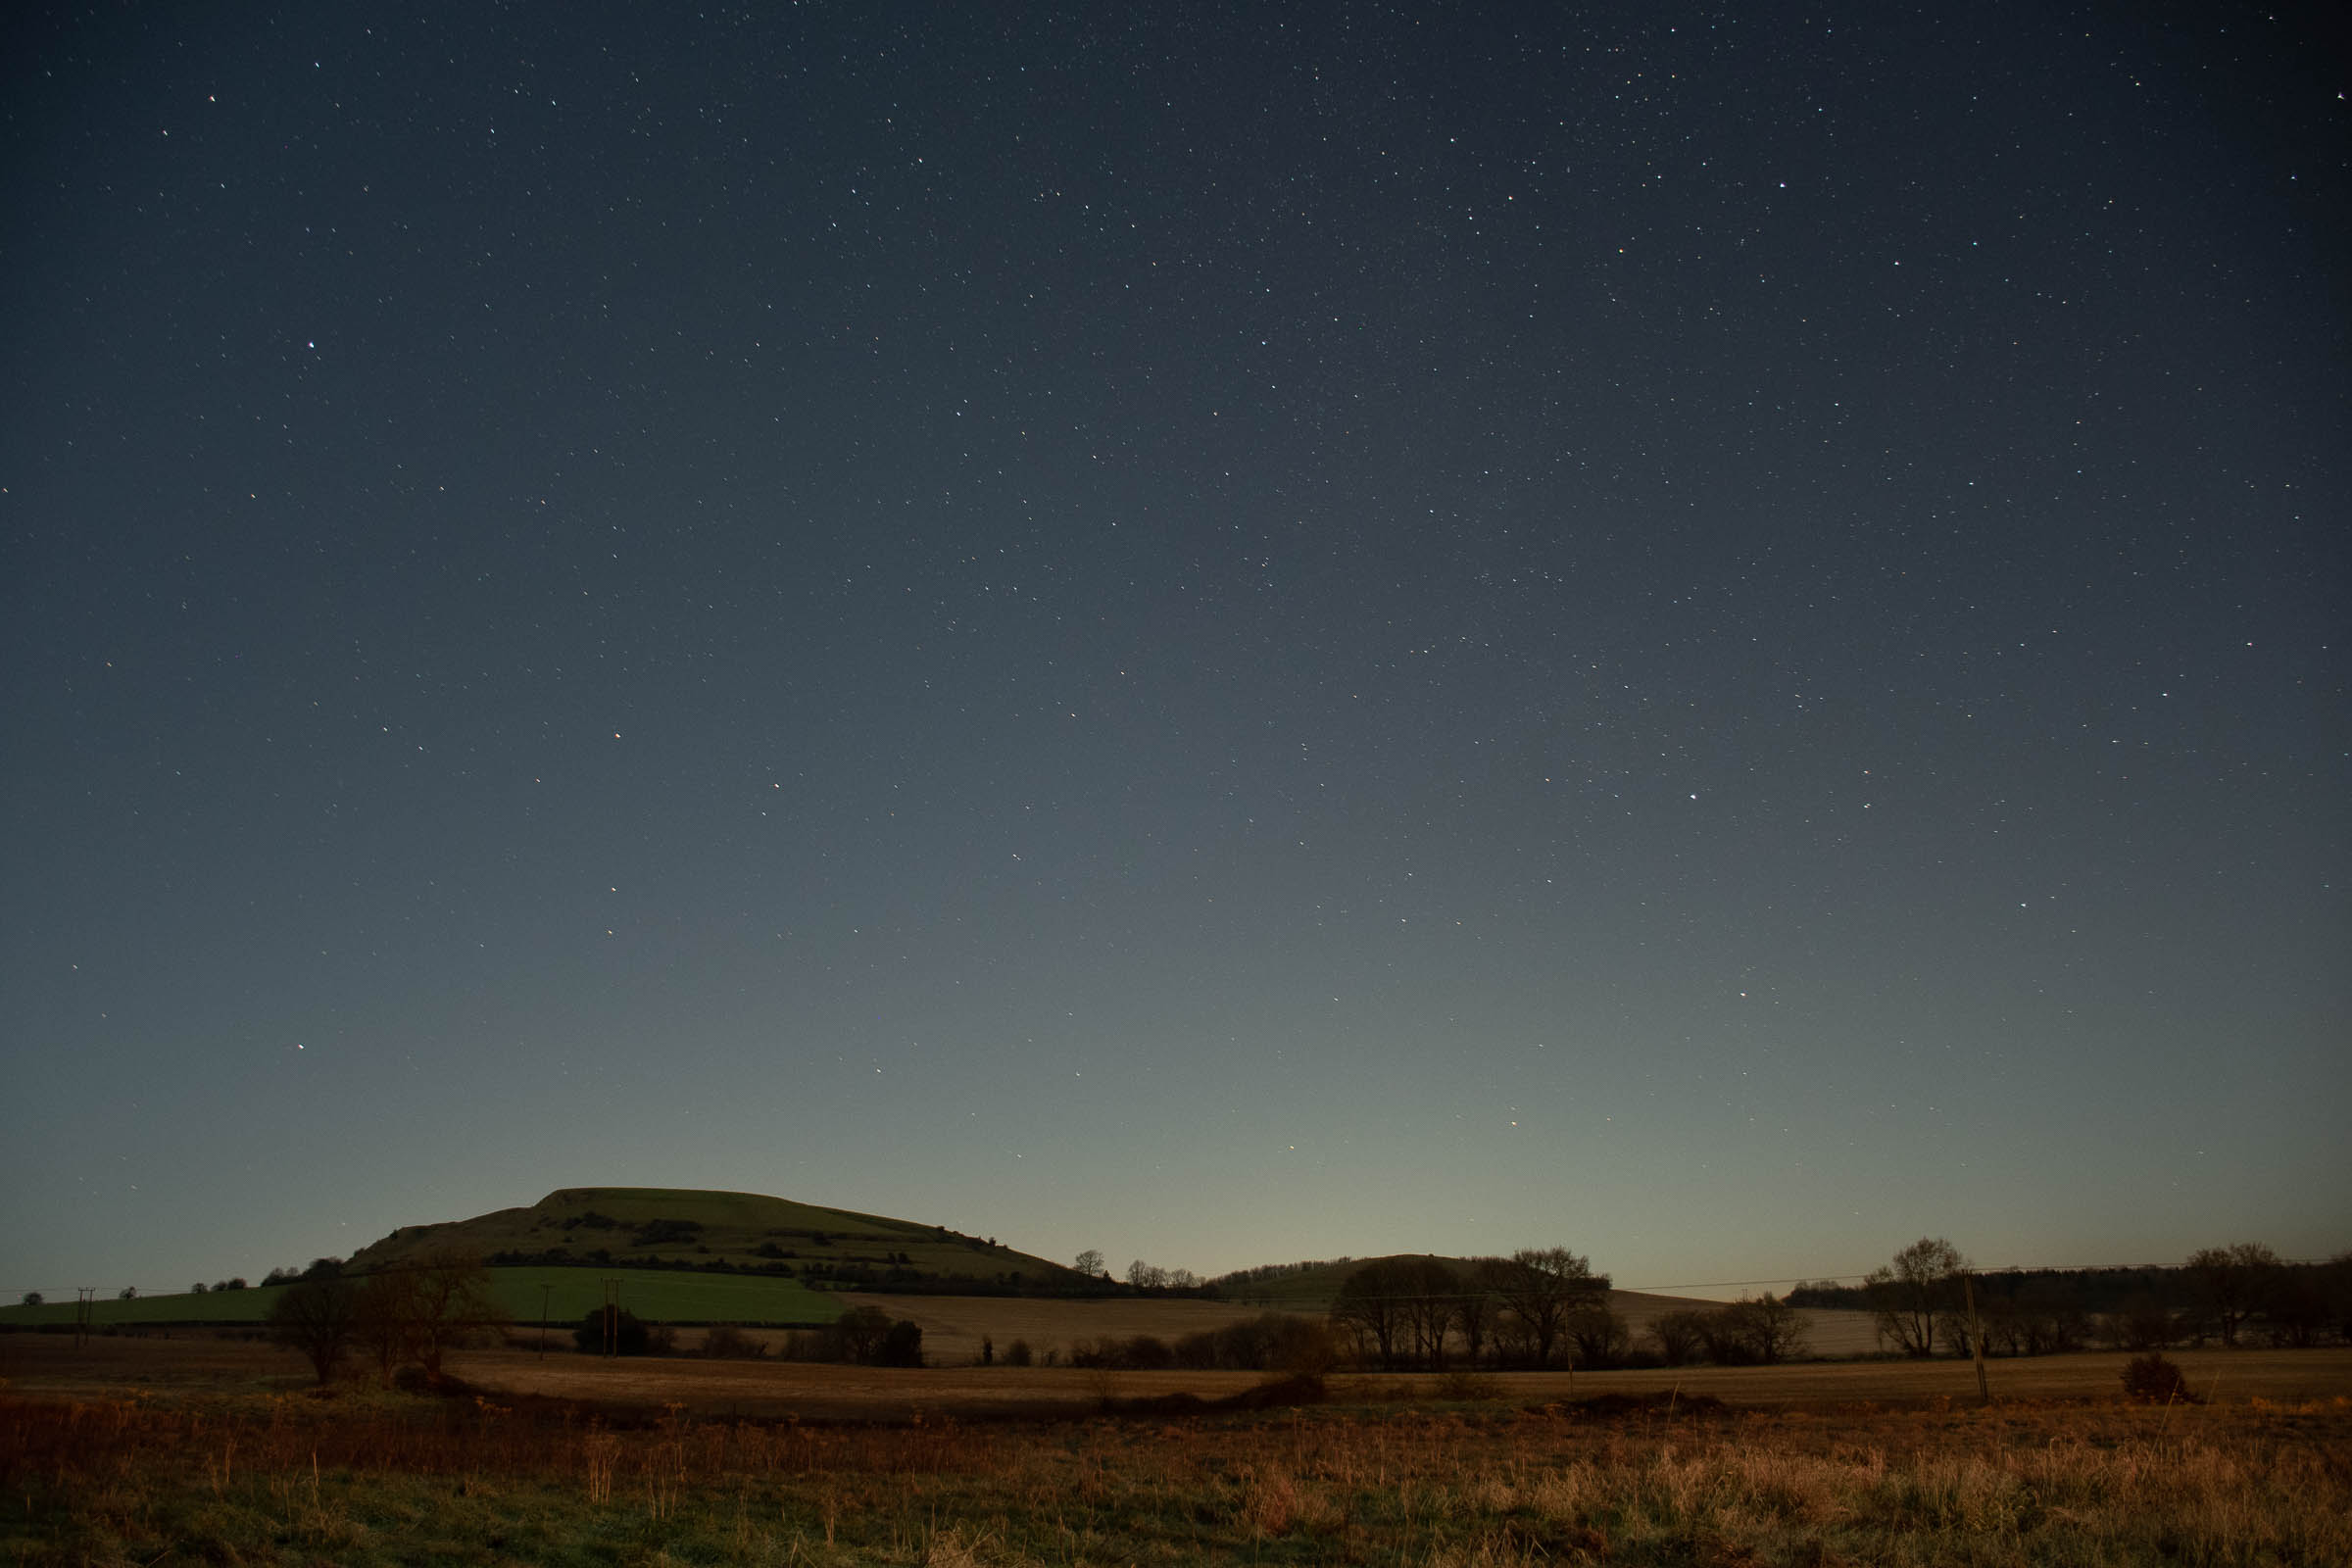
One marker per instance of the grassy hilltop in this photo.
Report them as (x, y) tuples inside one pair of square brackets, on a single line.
[(747, 1232), (682, 1256)]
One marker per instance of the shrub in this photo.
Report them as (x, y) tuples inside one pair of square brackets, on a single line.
[(1460, 1385), (902, 1345), (726, 1341), (1018, 1354), (2153, 1380), (862, 1336), (1145, 1353), (630, 1337)]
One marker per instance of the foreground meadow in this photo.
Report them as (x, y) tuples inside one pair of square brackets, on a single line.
[(366, 1478)]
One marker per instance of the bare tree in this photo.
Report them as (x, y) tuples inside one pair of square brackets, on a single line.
[(383, 1320), (2230, 1282), (2141, 1323), (1088, 1262), (1371, 1305), (1906, 1296), (1600, 1336), (1768, 1328), (1433, 1293), (416, 1312), (452, 1296), (1541, 1287), (319, 1319), (1477, 1308), (1680, 1336)]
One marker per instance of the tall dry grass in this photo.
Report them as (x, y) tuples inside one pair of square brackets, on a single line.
[(393, 1481)]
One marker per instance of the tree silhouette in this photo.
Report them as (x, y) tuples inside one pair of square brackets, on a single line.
[(1541, 1287), (2230, 1282), (1907, 1294), (319, 1319)]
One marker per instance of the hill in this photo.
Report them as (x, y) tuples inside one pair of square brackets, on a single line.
[(732, 1233)]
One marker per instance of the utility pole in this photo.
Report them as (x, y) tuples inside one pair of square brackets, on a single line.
[(544, 1288), (82, 1313), (1976, 1335), (613, 1317)]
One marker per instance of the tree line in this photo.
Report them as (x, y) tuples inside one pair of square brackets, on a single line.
[(1538, 1308), (401, 1317), (1928, 1300)]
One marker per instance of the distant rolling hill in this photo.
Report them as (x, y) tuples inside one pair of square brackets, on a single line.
[(731, 1233), (681, 1255)]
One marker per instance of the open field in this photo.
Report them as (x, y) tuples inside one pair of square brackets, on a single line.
[(374, 1479), (952, 1325), (125, 1365), (661, 1297)]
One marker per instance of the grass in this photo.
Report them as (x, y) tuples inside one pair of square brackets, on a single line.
[(728, 1225), (666, 1298), (656, 1295), (381, 1480), (213, 1307)]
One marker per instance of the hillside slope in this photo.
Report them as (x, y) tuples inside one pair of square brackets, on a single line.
[(749, 1233)]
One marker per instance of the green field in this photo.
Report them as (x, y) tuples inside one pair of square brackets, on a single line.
[(663, 1298), (656, 1296), (213, 1307)]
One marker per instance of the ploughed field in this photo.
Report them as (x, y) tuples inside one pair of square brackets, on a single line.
[(144, 1451)]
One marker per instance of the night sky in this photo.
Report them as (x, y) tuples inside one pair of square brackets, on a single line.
[(1225, 632)]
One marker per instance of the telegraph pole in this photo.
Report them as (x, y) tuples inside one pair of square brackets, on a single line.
[(544, 1288), (82, 1313), (613, 1317), (1976, 1335)]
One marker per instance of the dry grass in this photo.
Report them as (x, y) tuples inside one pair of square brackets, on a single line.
[(292, 1480)]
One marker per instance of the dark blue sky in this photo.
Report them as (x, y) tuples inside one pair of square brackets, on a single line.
[(1222, 632)]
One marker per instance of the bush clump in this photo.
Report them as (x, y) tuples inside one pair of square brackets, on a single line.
[(863, 1336), (726, 1341), (2153, 1380), (630, 1336)]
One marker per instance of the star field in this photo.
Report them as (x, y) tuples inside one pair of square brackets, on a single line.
[(1227, 634)]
